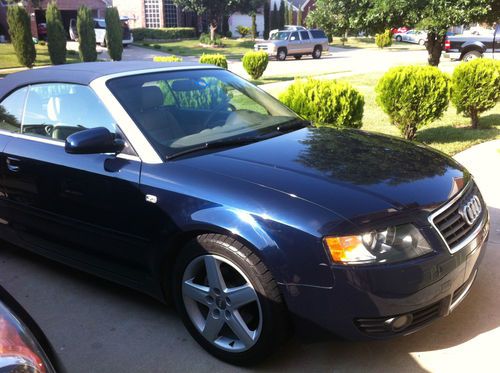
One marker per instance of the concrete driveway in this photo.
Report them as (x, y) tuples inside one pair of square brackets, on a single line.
[(97, 326)]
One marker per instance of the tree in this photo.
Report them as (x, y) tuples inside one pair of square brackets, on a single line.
[(299, 17), (86, 34), (267, 18), (275, 22), (285, 13), (114, 34), (290, 15), (20, 35), (56, 36), (251, 7), (213, 9), (281, 15), (337, 17), (435, 16)]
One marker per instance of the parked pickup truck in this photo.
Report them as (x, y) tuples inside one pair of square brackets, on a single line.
[(468, 47), (295, 43)]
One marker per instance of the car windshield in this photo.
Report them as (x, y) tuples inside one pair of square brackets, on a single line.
[(282, 35), (182, 110)]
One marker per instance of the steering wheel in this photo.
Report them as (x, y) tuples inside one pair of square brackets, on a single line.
[(218, 109)]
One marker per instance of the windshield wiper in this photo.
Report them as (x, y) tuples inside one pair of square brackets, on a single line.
[(293, 124), (215, 145)]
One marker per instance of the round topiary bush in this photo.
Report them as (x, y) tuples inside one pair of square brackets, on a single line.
[(413, 96), (214, 59), (255, 63), (325, 102), (475, 88)]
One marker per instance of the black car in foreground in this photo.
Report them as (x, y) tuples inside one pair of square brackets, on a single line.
[(191, 184)]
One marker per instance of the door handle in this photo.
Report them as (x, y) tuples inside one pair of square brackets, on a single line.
[(13, 164)]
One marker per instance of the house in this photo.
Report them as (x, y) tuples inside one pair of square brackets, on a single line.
[(68, 10)]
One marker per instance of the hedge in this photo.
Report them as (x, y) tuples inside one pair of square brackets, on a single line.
[(214, 59), (167, 59), (170, 33)]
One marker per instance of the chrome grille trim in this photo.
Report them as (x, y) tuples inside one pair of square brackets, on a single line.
[(462, 242)]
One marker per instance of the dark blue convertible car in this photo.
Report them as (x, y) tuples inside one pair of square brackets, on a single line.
[(191, 184)]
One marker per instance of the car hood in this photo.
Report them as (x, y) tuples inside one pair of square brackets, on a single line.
[(352, 173)]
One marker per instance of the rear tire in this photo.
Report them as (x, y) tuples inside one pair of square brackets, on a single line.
[(228, 300), (399, 38), (472, 55), (421, 42), (282, 53), (317, 52)]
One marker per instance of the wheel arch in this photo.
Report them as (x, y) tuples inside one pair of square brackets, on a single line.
[(476, 46), (238, 225)]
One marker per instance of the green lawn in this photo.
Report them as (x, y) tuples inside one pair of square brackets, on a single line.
[(233, 49), (8, 57), (450, 134), (369, 42)]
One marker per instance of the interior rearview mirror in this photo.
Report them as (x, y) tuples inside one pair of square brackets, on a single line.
[(93, 141)]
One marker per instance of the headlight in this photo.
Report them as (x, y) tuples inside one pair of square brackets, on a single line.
[(394, 244), (19, 349)]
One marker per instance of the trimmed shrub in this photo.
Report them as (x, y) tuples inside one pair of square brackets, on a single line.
[(157, 46), (214, 59), (205, 39), (86, 34), (167, 59), (243, 30), (384, 40), (114, 34), (255, 63), (229, 34), (413, 96), (20, 35), (170, 33), (475, 88), (325, 102), (56, 36)]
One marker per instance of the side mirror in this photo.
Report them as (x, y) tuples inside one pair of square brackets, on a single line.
[(93, 141)]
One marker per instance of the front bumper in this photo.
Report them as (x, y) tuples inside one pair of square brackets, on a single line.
[(365, 300)]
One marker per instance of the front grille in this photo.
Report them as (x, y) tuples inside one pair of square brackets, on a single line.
[(378, 327), (451, 225)]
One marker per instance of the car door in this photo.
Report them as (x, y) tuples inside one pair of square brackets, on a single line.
[(87, 207), (306, 42), (11, 111), (294, 44)]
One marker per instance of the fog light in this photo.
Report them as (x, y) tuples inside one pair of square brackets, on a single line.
[(399, 323)]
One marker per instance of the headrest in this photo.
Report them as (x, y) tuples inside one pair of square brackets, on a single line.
[(152, 96)]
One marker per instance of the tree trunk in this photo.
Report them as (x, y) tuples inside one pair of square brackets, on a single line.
[(435, 45), (474, 119), (254, 25)]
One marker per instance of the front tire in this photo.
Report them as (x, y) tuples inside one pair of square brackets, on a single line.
[(472, 55), (399, 38), (317, 52), (228, 300), (282, 53)]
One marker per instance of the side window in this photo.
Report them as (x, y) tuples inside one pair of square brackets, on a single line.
[(11, 111), (304, 35), (57, 110), (294, 36)]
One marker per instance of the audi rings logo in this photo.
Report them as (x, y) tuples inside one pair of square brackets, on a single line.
[(471, 210)]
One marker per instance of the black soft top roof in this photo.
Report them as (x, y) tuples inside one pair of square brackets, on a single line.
[(81, 73)]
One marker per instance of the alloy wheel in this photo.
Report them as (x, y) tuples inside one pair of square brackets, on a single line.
[(221, 303)]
